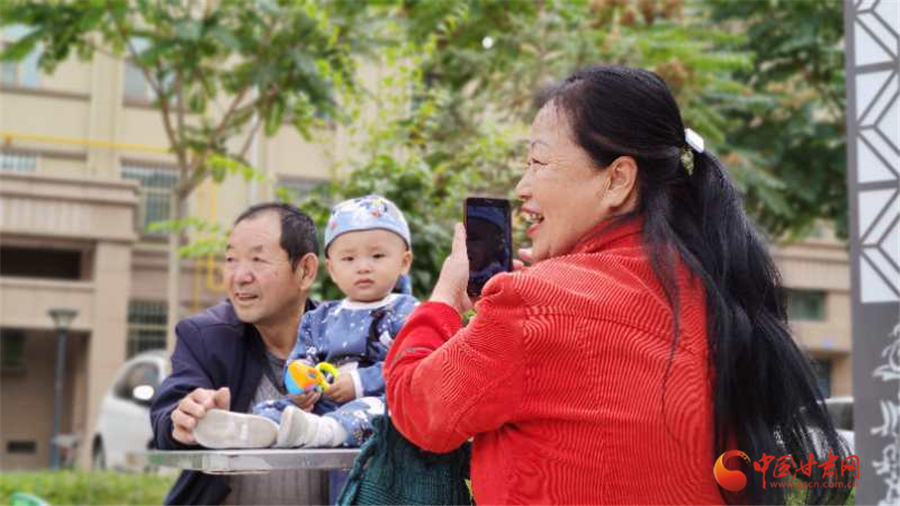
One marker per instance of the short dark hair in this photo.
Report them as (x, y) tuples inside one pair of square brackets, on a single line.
[(298, 232)]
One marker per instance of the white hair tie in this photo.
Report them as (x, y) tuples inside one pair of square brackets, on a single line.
[(693, 140)]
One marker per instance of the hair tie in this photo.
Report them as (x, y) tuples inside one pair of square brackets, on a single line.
[(694, 144), (693, 140)]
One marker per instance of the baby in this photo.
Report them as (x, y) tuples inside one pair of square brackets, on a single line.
[(367, 251)]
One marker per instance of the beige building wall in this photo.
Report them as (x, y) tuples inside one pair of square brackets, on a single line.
[(92, 218)]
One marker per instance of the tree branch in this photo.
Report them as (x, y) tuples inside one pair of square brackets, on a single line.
[(195, 167), (180, 151), (267, 99), (191, 180), (229, 113)]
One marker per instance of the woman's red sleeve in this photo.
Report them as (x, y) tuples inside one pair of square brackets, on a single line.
[(446, 383)]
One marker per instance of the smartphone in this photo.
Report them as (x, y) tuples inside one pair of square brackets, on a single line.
[(488, 240)]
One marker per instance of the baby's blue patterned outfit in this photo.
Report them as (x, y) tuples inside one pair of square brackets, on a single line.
[(355, 337)]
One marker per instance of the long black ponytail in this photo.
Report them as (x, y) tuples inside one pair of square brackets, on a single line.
[(766, 399)]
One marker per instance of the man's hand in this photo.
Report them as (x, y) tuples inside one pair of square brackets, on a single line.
[(307, 401), (342, 390), (194, 407)]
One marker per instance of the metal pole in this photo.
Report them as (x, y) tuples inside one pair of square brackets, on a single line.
[(57, 397)]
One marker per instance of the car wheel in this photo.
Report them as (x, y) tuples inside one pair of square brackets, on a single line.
[(98, 457)]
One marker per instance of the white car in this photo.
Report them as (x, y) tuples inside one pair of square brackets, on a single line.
[(123, 422)]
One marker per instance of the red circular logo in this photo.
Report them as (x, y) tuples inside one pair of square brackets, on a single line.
[(730, 479)]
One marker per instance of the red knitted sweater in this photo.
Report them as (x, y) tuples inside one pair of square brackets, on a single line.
[(559, 380)]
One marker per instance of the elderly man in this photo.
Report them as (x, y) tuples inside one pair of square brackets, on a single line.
[(231, 355)]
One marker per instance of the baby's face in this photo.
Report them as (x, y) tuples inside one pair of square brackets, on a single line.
[(366, 265)]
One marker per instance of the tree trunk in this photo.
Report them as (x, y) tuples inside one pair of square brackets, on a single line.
[(173, 299)]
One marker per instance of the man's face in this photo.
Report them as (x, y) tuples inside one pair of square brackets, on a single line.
[(261, 285)]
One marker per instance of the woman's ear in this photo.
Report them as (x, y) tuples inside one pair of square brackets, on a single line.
[(307, 270), (621, 193)]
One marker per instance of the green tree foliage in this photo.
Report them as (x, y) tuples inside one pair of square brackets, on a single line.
[(762, 81), (796, 129), (405, 153), (500, 54), (538, 43)]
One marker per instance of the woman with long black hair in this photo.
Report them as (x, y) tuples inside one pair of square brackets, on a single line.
[(648, 338)]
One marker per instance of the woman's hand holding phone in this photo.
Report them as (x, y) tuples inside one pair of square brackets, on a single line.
[(458, 285), (451, 285)]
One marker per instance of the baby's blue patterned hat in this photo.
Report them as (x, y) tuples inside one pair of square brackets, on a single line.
[(366, 213)]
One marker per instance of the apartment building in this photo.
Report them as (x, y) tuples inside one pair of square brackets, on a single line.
[(83, 170)]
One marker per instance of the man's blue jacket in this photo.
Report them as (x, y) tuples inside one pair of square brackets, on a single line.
[(214, 349)]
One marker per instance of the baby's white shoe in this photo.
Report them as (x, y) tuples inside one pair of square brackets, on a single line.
[(301, 429), (222, 429)]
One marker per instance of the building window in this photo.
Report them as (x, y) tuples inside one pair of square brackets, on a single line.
[(25, 72), (146, 326), (11, 161), (822, 368), (136, 85), (12, 351), (46, 263), (26, 447), (155, 194), (806, 305)]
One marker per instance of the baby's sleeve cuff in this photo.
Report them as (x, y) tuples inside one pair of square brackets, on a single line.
[(357, 384)]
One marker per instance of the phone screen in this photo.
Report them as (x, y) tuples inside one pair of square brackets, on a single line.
[(488, 240)]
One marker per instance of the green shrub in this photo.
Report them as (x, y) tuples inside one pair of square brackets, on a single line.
[(80, 487)]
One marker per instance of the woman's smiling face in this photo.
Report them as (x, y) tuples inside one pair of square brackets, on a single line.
[(562, 189)]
